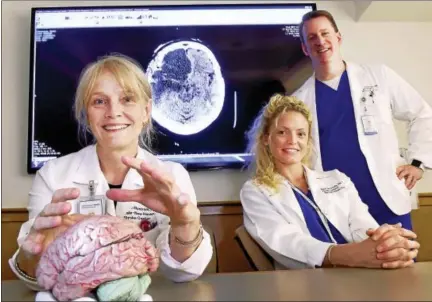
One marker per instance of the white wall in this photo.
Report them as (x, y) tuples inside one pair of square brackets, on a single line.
[(406, 47)]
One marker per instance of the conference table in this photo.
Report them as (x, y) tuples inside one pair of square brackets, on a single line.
[(413, 283)]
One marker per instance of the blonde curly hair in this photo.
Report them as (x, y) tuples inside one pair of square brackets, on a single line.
[(265, 172)]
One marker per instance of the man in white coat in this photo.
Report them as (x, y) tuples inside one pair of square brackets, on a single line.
[(353, 107)]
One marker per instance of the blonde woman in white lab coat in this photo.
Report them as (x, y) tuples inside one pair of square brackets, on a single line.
[(304, 218), (113, 102)]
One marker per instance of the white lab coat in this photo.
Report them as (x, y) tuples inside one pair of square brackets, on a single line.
[(275, 220), (395, 98), (77, 169)]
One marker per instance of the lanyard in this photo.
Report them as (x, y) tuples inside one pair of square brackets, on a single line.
[(92, 187), (324, 219)]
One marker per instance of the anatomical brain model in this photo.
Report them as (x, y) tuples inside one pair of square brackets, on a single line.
[(103, 253)]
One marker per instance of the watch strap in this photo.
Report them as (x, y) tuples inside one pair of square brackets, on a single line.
[(418, 164)]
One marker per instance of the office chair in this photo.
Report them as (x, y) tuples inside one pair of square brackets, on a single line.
[(255, 254)]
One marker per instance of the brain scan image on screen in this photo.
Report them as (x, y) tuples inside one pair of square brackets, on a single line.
[(211, 70), (187, 85)]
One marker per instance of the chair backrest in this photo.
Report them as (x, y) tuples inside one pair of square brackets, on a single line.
[(259, 259)]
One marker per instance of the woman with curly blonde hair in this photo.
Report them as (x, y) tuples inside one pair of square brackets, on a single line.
[(305, 218)]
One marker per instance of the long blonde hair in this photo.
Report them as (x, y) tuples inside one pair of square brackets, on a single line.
[(265, 172), (130, 76)]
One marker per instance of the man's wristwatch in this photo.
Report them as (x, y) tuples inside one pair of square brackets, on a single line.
[(418, 164)]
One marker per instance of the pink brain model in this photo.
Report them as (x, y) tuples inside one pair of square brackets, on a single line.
[(93, 251)]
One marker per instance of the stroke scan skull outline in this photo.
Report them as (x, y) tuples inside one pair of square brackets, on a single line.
[(187, 85)]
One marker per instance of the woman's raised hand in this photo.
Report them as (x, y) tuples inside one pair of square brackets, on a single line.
[(160, 193)]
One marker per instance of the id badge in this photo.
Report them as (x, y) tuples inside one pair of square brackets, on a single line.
[(369, 125), (92, 205)]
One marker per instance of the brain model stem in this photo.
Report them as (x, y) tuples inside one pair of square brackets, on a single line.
[(124, 289)]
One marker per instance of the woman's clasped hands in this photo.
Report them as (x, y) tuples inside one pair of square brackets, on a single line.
[(388, 246)]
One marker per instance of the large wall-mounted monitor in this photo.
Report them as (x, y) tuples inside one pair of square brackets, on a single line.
[(211, 67)]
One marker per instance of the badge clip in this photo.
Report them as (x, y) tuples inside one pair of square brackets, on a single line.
[(92, 204)]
